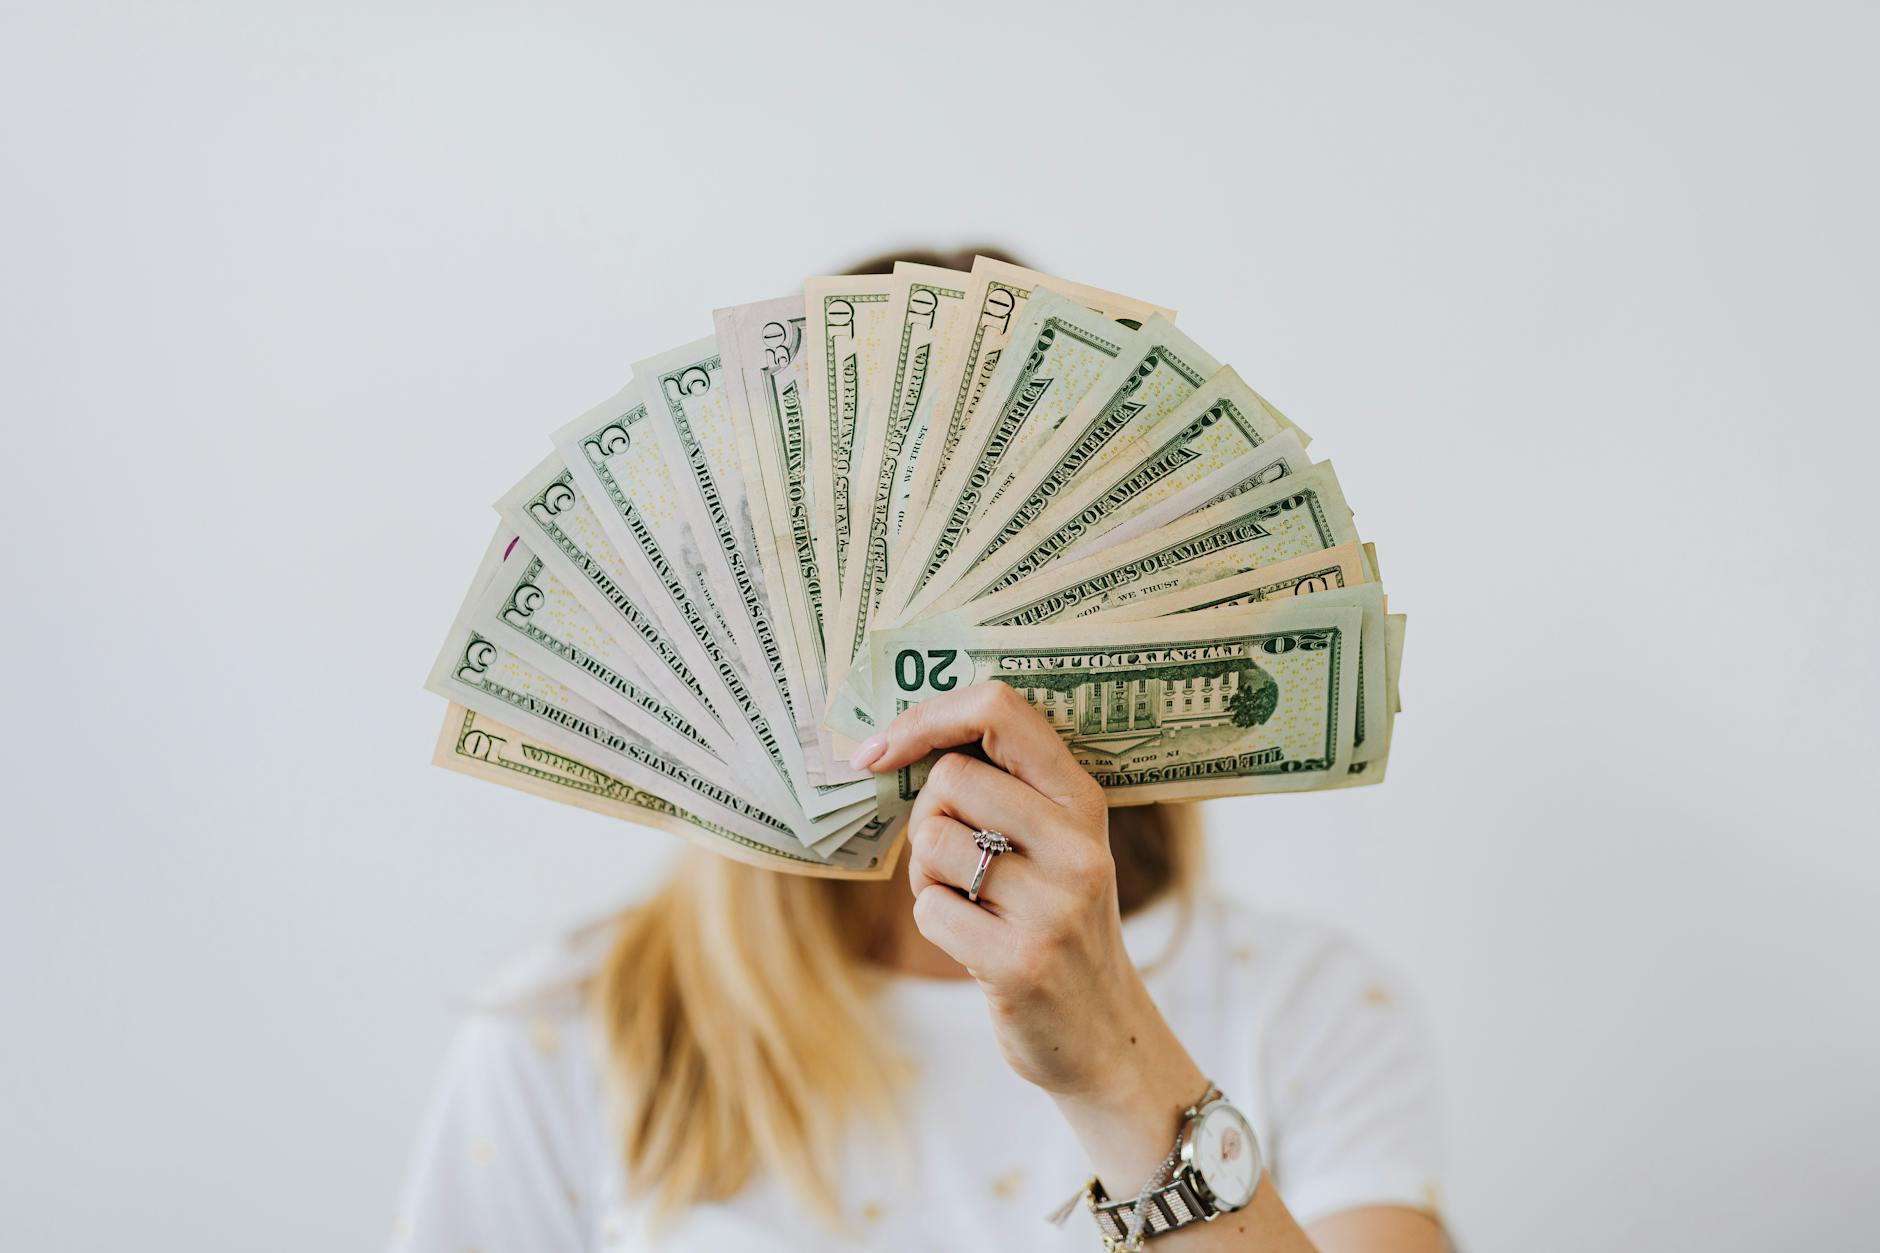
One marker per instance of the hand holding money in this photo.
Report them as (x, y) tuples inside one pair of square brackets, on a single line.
[(776, 540), (1048, 948)]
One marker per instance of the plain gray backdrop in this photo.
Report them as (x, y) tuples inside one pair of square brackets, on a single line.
[(1580, 299)]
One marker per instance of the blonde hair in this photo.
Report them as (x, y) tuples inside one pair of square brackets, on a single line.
[(736, 1010)]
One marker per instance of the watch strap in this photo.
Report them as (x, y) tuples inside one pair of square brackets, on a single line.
[(1171, 1206)]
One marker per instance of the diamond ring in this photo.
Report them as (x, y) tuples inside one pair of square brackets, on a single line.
[(991, 844)]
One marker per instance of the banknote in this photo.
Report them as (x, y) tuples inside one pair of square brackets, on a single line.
[(1253, 473), (763, 346), (1394, 627), (690, 459), (850, 327), (481, 747), (1128, 397), (1160, 368), (1222, 703), (520, 602), (1163, 368), (1368, 726), (995, 300), (1214, 430), (1364, 773), (932, 320), (1066, 349), (479, 673), (525, 608), (1271, 462), (1274, 459), (551, 512), (1302, 513), (563, 529), (1069, 347), (1336, 573), (685, 391), (1343, 566), (1315, 572), (924, 301)]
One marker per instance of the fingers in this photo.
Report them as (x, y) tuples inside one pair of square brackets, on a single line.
[(1015, 736), (971, 936), (941, 850), (981, 795)]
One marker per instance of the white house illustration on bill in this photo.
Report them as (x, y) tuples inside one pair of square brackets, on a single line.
[(1118, 714)]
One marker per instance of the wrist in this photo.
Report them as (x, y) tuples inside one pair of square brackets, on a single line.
[(1128, 1121)]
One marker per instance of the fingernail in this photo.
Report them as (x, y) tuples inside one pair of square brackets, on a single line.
[(868, 751)]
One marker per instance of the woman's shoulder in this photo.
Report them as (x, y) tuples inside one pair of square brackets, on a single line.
[(515, 1124), (1336, 1060), (528, 1028)]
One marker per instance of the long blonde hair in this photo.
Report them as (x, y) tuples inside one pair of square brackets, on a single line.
[(736, 1011)]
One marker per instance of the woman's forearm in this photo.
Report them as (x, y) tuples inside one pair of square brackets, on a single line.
[(1128, 1125)]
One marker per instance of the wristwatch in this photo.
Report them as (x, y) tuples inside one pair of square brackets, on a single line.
[(1218, 1170)]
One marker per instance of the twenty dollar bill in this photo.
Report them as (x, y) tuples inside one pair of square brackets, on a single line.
[(1222, 703)]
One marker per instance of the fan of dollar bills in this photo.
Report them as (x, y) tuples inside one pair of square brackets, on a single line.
[(892, 486)]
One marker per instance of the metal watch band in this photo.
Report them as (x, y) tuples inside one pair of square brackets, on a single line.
[(1171, 1206)]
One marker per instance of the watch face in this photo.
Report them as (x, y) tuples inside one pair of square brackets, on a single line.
[(1226, 1155)]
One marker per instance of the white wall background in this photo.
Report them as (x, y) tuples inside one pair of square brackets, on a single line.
[(1581, 298)]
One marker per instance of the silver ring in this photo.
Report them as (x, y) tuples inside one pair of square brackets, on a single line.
[(991, 844)]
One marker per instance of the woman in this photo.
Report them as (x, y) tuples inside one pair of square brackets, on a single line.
[(751, 1061)]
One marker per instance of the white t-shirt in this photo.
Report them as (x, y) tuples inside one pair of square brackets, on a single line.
[(1313, 1039)]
